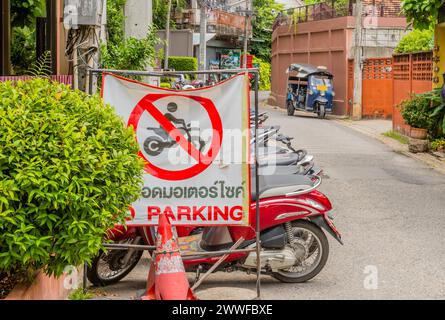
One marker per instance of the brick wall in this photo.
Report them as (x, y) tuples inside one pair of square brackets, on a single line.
[(382, 7)]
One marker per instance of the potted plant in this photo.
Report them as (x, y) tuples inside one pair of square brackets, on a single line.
[(416, 113), (68, 171)]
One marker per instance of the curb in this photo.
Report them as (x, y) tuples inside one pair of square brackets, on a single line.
[(398, 147), (264, 104)]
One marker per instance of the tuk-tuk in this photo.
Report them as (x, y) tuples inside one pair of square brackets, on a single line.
[(310, 89)]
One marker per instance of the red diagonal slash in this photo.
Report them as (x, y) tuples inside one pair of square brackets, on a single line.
[(176, 135), (146, 104)]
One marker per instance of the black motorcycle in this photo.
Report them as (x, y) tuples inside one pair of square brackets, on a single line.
[(161, 140)]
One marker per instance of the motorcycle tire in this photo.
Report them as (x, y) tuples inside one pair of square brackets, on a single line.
[(98, 281), (153, 146), (321, 111), (315, 230), (290, 108)]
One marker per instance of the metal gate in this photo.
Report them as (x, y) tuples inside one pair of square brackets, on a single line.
[(377, 99)]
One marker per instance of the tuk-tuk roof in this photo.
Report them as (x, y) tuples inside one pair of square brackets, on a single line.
[(304, 70)]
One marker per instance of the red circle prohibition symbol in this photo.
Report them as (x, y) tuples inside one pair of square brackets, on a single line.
[(204, 160)]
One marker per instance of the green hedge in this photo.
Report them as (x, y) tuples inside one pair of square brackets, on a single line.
[(183, 63)]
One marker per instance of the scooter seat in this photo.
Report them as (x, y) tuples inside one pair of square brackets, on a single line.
[(279, 185), (280, 159)]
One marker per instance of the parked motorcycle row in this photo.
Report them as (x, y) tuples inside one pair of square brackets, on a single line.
[(294, 217)]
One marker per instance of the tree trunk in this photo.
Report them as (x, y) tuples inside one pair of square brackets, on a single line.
[(167, 35)]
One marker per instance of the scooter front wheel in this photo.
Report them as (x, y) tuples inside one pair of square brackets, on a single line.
[(108, 268), (313, 241)]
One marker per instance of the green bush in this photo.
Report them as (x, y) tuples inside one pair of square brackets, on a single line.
[(68, 171), (183, 63), (165, 85), (416, 40), (416, 112)]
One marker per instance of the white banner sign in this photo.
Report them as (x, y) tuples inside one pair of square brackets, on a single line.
[(195, 146)]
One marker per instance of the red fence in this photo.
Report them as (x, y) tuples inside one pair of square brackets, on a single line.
[(412, 74), (66, 79), (389, 81), (377, 88)]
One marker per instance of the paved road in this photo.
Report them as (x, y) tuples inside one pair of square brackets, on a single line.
[(390, 209)]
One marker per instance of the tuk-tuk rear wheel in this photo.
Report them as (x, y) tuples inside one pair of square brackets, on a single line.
[(290, 108)]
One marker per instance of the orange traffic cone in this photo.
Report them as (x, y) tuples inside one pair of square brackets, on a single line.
[(166, 278)]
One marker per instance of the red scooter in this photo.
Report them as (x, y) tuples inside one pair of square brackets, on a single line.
[(293, 215)]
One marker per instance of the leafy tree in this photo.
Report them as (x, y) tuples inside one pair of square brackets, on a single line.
[(416, 40), (421, 13), (23, 49), (24, 12), (126, 53), (23, 37), (265, 70), (115, 21), (160, 8), (267, 11)]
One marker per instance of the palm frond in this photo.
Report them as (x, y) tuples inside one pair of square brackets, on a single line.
[(42, 67)]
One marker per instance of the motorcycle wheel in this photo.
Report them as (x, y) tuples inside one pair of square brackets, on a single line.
[(153, 146), (109, 262), (290, 108), (321, 111), (316, 245)]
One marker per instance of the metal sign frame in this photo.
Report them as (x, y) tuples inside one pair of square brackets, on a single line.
[(92, 73)]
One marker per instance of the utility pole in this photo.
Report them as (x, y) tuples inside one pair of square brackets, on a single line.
[(138, 18), (357, 100), (167, 35), (246, 18), (202, 35), (5, 44)]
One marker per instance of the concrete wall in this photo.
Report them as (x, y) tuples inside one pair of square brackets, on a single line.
[(181, 42), (381, 42)]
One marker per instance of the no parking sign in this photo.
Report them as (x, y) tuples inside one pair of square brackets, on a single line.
[(195, 145)]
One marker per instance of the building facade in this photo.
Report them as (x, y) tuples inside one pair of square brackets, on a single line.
[(324, 34)]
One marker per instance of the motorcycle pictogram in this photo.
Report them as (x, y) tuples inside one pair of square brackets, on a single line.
[(155, 144)]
